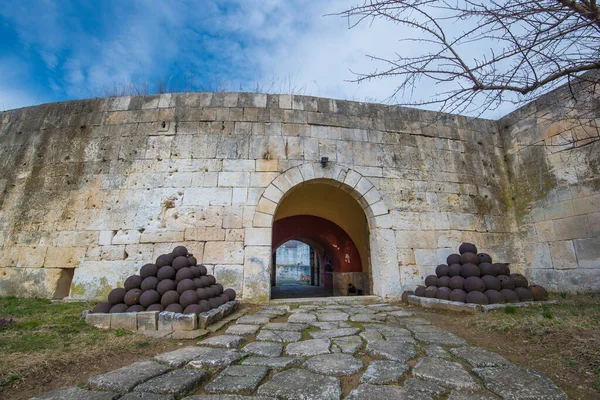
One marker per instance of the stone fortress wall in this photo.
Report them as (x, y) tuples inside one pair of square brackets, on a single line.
[(90, 190)]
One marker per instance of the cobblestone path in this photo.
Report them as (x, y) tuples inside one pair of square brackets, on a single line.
[(320, 351)]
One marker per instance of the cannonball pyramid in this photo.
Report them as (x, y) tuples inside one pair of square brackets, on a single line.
[(471, 277), (175, 282)]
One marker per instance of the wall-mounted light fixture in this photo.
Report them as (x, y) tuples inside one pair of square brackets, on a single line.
[(324, 161)]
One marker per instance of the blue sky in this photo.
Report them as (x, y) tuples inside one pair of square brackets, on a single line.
[(53, 50)]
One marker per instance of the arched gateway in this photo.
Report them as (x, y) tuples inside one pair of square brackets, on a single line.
[(378, 258)]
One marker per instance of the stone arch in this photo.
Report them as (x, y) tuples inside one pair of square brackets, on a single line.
[(383, 258)]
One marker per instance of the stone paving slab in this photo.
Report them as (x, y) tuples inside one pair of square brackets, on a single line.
[(457, 395), (227, 397), (264, 349), (253, 320), (370, 335), (401, 313), (215, 357), (348, 344), (332, 316), (75, 393), (238, 378), (512, 382), (392, 350), (330, 325), (381, 372), (146, 396), (479, 358), (308, 348), (434, 350), (242, 329), (368, 318), (124, 379), (176, 383), (445, 373), (333, 333), (180, 357), (434, 335), (224, 341), (273, 362), (278, 336), (285, 326), (301, 384), (415, 385), (302, 317), (389, 331), (334, 364), (370, 392)]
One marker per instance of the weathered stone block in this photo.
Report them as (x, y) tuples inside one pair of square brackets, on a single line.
[(184, 322), (147, 321), (125, 321), (99, 320)]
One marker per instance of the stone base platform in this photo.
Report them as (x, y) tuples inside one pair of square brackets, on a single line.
[(164, 321), (447, 305)]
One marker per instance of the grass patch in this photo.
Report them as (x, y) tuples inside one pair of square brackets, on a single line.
[(510, 310)]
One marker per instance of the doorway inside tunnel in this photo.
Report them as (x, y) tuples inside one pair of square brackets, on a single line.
[(319, 244)]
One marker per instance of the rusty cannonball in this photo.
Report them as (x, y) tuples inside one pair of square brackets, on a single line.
[(171, 297), (102, 307), (506, 281), (184, 273), (469, 270), (149, 297), (454, 270), (188, 297), (203, 270), (192, 309), (431, 291), (230, 293), (136, 308), (487, 268), (476, 297), (118, 308), (205, 280), (186, 284), (165, 285), (164, 259), (202, 293), (444, 281), (155, 307), (133, 282), (456, 282), (491, 282), (196, 271), (474, 284), (458, 295), (431, 280), (483, 257), (192, 260), (501, 269), (211, 291), (510, 295), (520, 280), (132, 297), (219, 288), (166, 272), (539, 293), (443, 293), (524, 293), (204, 305), (149, 283), (467, 248), (214, 302), (148, 270), (419, 291), (469, 258), (180, 251), (117, 296), (175, 307), (180, 262), (224, 297), (211, 279), (494, 296), (453, 259), (442, 270)]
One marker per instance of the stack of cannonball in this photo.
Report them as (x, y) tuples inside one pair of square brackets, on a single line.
[(175, 282), (471, 277)]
